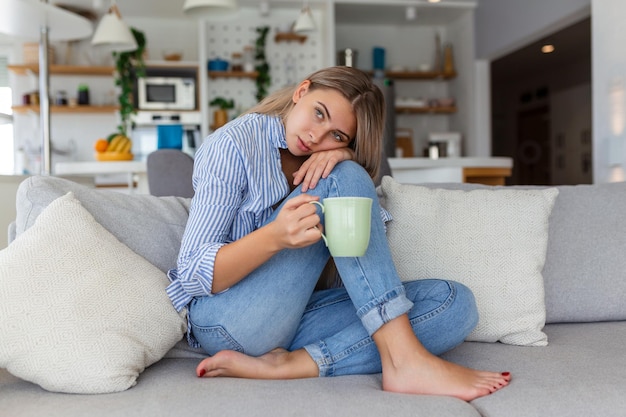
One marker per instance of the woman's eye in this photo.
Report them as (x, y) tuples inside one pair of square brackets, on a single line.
[(337, 136), (318, 113)]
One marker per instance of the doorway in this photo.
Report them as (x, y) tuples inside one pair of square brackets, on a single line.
[(541, 109), (532, 150)]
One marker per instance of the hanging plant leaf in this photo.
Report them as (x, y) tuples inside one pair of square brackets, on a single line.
[(128, 66), (263, 79)]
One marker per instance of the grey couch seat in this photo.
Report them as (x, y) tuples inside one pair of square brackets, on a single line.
[(580, 373)]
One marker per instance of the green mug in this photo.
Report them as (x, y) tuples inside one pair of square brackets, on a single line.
[(347, 223)]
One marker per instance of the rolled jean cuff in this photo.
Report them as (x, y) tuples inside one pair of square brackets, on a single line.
[(320, 354), (377, 312)]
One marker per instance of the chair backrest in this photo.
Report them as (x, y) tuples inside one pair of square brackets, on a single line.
[(169, 173)]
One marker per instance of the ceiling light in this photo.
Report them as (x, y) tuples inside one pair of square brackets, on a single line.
[(547, 48), (305, 22), (264, 7), (211, 8), (434, 1), (113, 33)]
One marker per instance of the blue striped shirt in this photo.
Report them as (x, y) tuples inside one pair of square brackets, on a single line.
[(237, 179)]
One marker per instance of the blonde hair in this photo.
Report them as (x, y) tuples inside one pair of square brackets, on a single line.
[(367, 102)]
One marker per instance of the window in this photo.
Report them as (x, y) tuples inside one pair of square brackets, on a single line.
[(7, 162)]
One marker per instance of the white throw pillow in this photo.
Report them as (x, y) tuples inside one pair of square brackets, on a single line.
[(492, 240), (79, 311)]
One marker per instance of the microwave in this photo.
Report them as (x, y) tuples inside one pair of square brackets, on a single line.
[(166, 93)]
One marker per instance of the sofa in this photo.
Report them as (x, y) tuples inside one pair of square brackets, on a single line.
[(566, 354)]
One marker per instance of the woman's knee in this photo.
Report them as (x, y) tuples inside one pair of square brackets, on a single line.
[(350, 178)]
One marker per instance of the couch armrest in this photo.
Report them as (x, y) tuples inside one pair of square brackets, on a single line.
[(11, 232)]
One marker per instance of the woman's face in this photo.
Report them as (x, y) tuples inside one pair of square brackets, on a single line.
[(320, 120)]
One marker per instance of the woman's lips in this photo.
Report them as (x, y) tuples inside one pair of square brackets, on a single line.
[(302, 146)]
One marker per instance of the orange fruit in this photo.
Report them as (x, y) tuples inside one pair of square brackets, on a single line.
[(101, 145)]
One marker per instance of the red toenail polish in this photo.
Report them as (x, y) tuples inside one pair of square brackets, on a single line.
[(506, 373), (201, 373)]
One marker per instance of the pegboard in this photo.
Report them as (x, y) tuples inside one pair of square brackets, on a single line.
[(290, 62)]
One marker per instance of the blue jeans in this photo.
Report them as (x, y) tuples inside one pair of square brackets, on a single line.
[(276, 305)]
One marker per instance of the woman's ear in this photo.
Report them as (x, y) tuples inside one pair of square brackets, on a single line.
[(301, 90)]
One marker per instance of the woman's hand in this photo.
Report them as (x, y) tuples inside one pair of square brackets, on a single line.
[(319, 165), (297, 224)]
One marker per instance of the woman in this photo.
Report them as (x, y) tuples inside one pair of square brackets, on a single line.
[(252, 253)]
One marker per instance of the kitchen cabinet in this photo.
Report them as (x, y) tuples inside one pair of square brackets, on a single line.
[(409, 48)]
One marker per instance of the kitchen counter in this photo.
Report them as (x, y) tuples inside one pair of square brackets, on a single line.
[(482, 170), (105, 173)]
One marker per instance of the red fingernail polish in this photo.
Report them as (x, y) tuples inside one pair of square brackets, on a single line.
[(201, 373), (506, 373)]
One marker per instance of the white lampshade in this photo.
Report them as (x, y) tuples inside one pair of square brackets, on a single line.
[(5, 118), (25, 18), (305, 22), (113, 33), (211, 8)]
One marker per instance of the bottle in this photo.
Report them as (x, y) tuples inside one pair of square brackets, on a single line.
[(448, 61)]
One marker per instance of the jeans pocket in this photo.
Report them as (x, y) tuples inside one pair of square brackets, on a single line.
[(214, 339)]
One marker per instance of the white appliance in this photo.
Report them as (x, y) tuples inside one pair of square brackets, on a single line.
[(145, 131), (451, 142), (166, 93)]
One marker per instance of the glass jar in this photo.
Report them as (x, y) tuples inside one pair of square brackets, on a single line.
[(61, 98), (236, 62), (248, 59)]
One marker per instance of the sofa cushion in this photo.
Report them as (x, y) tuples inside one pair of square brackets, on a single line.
[(151, 226), (81, 312), (492, 241), (584, 271), (581, 373), (169, 388)]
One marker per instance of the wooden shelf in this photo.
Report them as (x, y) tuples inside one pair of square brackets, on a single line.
[(289, 37), (418, 75), (233, 74), (62, 70), (67, 109), (426, 110)]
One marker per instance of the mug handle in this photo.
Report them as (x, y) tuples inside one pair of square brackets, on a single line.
[(315, 227)]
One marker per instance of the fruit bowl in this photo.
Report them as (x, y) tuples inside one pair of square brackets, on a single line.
[(114, 156)]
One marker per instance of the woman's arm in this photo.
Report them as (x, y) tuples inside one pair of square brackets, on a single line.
[(319, 165), (292, 228)]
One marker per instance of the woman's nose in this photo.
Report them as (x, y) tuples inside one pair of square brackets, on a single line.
[(314, 136)]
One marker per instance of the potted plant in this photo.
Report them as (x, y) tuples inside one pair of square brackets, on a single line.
[(220, 115), (128, 66)]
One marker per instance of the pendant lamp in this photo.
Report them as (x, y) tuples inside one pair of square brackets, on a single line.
[(5, 118), (305, 22), (210, 8), (113, 33)]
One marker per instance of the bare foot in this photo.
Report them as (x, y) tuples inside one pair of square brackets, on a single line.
[(435, 376), (277, 364), (409, 368)]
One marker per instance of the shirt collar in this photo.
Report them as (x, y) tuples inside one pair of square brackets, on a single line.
[(277, 132)]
